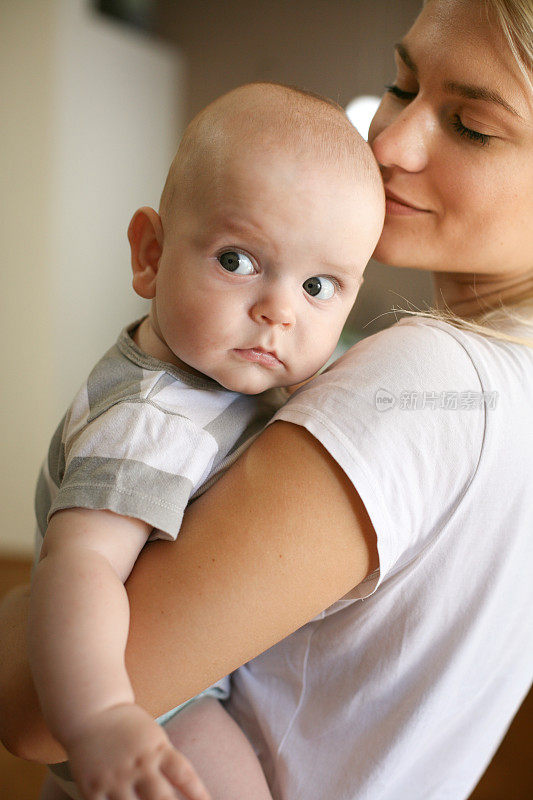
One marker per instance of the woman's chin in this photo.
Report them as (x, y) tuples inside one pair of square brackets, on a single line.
[(393, 255), (404, 251), (409, 242)]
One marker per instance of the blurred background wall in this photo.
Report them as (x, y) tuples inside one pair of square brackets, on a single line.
[(92, 109), (90, 112)]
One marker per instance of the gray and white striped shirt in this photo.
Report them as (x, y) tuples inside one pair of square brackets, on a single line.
[(142, 438)]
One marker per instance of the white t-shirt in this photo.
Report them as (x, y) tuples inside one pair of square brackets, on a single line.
[(408, 692)]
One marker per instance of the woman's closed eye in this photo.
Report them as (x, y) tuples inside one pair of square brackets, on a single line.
[(401, 94), (457, 124), (474, 136)]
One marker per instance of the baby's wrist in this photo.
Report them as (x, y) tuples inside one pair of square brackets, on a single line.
[(91, 721)]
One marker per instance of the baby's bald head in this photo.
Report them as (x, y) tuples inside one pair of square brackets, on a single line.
[(271, 210), (264, 119)]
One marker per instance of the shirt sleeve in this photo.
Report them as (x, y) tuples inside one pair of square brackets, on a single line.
[(137, 460), (400, 412)]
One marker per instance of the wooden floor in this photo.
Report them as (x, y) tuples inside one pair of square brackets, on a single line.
[(509, 777)]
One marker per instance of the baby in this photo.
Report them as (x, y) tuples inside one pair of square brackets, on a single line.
[(271, 209)]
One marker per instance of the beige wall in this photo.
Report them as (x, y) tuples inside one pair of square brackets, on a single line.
[(26, 300), (90, 118), (337, 47)]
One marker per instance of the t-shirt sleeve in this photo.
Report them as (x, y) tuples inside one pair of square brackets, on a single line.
[(402, 413), (137, 460)]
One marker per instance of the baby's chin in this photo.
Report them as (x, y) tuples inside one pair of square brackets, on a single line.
[(249, 385), (251, 381)]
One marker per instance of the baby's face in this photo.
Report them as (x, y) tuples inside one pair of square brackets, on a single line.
[(255, 283)]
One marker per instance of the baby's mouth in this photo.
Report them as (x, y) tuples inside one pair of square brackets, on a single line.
[(267, 358)]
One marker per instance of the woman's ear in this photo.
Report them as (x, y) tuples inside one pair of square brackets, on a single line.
[(145, 234)]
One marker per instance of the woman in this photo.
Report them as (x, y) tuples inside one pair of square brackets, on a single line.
[(401, 476)]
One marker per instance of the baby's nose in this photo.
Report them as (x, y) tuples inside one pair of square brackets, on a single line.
[(274, 308)]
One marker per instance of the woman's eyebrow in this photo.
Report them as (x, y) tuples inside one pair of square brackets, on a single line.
[(479, 93), (463, 89), (403, 52)]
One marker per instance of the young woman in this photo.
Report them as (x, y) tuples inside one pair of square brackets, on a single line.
[(384, 520)]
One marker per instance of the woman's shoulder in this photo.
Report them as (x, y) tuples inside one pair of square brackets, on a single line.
[(416, 364), (430, 350), (427, 332), (414, 350), (402, 413)]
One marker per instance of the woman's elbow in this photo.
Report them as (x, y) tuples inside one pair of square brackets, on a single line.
[(22, 728), (16, 744), (30, 740)]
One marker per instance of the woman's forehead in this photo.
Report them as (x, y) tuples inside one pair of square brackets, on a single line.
[(468, 50)]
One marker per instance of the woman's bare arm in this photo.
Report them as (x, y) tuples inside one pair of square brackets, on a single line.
[(22, 727), (277, 539)]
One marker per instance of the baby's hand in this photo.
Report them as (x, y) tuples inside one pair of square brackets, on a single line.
[(124, 754)]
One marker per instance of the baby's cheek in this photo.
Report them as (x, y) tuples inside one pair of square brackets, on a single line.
[(320, 346), (306, 368)]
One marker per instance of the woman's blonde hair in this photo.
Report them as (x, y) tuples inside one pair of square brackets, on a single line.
[(515, 19)]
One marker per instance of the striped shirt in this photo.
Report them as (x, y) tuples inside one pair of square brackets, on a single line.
[(142, 438)]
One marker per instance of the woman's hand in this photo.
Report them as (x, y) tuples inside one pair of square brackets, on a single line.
[(281, 536)]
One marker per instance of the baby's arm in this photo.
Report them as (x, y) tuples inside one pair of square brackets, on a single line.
[(78, 626)]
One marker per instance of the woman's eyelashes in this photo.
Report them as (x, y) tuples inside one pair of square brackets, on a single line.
[(237, 263), (456, 122), (401, 94), (474, 136)]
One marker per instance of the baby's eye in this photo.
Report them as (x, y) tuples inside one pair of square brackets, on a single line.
[(237, 263), (321, 288)]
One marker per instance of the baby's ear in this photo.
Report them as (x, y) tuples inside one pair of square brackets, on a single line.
[(145, 234)]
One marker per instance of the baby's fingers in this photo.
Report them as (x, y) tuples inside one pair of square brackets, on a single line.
[(153, 787), (181, 774)]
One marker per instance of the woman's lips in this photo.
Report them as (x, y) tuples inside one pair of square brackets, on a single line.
[(259, 356), (399, 207)]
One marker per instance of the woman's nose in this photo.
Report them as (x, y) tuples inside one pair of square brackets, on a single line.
[(401, 139), (274, 308)]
